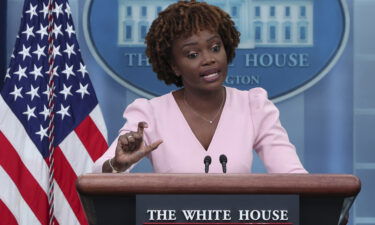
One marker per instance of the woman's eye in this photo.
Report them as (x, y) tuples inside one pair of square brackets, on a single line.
[(216, 48), (192, 55)]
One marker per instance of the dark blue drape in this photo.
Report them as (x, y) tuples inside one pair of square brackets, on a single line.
[(3, 61), (329, 120), (329, 117)]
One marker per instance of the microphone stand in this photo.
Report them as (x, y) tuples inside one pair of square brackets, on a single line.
[(223, 160), (207, 161)]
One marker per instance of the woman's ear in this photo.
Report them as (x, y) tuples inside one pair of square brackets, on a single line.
[(175, 70)]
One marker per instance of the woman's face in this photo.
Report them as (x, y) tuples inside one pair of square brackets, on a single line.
[(200, 60)]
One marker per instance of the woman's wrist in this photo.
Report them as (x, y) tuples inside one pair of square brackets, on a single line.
[(115, 167)]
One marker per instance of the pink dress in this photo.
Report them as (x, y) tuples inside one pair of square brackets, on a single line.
[(249, 121)]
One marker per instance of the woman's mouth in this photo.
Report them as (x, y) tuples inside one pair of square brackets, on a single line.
[(211, 76)]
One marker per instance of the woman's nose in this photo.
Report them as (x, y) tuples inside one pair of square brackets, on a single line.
[(208, 59)]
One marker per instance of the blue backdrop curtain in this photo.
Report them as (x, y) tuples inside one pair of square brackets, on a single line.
[(329, 116), (3, 61)]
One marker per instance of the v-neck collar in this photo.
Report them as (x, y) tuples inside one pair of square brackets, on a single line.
[(218, 127)]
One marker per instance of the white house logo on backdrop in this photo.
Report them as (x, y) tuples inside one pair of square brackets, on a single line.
[(286, 45)]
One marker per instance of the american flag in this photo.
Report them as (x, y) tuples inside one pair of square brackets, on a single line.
[(51, 127)]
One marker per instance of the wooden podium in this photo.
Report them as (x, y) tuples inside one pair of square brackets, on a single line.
[(109, 199)]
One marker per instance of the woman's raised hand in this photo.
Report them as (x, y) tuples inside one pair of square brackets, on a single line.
[(131, 148)]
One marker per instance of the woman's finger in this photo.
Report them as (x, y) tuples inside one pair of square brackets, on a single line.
[(131, 140), (141, 126), (123, 142), (138, 140), (153, 146)]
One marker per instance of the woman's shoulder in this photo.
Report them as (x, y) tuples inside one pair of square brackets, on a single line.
[(255, 90), (144, 102), (142, 109), (149, 106), (253, 94)]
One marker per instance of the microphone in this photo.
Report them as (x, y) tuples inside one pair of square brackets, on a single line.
[(207, 162), (223, 161)]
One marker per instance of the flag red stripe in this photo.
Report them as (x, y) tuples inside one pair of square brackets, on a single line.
[(91, 138), (28, 187), (55, 221), (7, 217), (66, 177)]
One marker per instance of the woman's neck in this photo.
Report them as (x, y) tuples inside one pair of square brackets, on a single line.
[(204, 101)]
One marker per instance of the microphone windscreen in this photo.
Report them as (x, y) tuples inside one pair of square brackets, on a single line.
[(207, 159), (223, 159)]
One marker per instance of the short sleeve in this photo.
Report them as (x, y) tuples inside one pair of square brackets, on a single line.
[(138, 111), (271, 140)]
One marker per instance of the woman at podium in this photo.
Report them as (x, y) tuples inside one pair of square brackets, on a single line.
[(203, 125)]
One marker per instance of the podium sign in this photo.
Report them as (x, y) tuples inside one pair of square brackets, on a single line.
[(118, 199), (217, 209)]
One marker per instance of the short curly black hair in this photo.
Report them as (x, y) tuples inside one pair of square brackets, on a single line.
[(180, 20)]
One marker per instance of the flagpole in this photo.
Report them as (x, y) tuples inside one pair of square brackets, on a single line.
[(51, 106)]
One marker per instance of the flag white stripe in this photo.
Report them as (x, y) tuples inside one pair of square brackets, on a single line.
[(29, 191), (97, 116), (13, 200), (31, 157), (63, 212), (75, 152), (27, 151)]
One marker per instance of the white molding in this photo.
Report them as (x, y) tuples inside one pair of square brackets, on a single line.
[(365, 220), (364, 166), (364, 111)]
